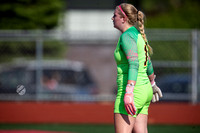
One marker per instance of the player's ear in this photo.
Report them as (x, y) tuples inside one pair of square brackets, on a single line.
[(124, 19)]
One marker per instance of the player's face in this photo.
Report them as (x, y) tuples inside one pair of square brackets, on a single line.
[(117, 20)]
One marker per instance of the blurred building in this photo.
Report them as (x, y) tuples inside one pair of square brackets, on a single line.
[(92, 38), (88, 16)]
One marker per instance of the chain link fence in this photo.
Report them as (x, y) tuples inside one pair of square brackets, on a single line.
[(79, 66)]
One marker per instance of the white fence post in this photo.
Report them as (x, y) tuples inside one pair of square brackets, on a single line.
[(39, 73), (194, 93)]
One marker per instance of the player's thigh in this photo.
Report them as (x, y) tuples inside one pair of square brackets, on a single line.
[(141, 124), (123, 123)]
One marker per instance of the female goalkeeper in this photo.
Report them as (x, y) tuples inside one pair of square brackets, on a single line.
[(135, 75)]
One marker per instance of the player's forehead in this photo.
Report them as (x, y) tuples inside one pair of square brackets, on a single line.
[(116, 12)]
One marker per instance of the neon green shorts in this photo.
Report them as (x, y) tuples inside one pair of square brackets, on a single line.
[(142, 99)]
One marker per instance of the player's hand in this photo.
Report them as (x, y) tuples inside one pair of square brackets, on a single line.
[(129, 100), (157, 93)]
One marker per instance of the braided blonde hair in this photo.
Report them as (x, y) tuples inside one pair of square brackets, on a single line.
[(135, 17)]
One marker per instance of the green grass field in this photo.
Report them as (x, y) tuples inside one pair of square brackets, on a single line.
[(98, 128)]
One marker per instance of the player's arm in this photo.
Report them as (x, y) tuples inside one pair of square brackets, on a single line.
[(150, 70), (156, 90), (129, 46)]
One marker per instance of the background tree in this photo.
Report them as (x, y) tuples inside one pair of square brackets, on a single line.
[(26, 15), (170, 13), (30, 14)]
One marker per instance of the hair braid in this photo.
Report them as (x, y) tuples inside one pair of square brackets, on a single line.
[(135, 17), (140, 19)]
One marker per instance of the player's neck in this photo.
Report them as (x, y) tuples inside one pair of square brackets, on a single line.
[(125, 27)]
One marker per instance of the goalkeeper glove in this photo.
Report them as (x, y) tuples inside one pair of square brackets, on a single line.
[(156, 92), (129, 100)]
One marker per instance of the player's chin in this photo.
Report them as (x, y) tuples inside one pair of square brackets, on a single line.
[(115, 26)]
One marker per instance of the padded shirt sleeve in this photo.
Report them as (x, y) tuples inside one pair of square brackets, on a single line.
[(129, 46), (149, 67)]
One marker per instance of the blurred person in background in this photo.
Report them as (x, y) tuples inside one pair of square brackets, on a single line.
[(135, 74)]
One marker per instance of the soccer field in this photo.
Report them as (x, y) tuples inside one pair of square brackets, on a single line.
[(96, 128)]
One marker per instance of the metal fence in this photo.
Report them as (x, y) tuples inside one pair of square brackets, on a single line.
[(26, 56)]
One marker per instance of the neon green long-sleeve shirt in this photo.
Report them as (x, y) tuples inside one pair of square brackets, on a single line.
[(131, 55)]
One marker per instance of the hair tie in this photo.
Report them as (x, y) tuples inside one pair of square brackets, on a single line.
[(122, 10)]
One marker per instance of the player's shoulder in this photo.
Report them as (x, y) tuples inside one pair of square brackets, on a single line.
[(132, 32)]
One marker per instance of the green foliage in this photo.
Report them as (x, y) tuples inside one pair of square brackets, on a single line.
[(11, 50), (171, 50), (171, 13), (30, 14)]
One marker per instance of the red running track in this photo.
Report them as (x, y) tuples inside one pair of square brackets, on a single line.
[(102, 113)]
